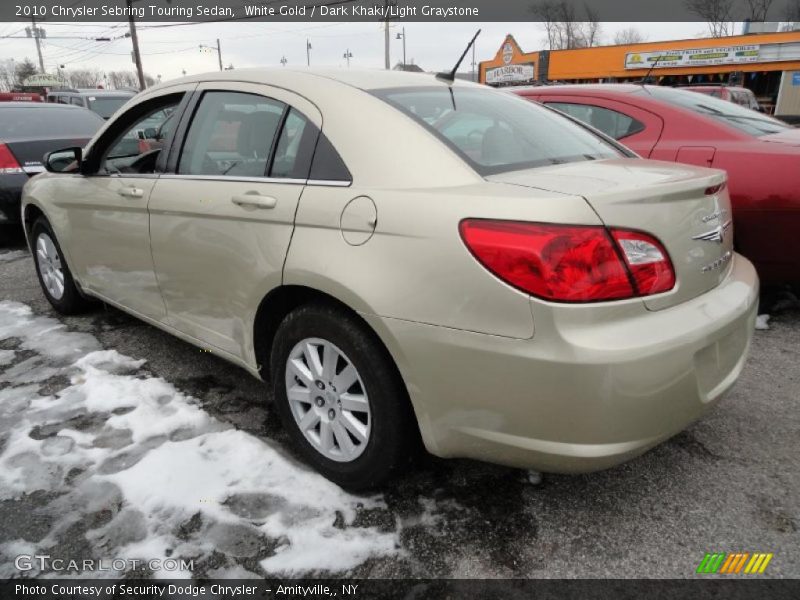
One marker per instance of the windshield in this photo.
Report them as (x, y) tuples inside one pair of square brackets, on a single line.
[(105, 106), (47, 121), (744, 119), (497, 132)]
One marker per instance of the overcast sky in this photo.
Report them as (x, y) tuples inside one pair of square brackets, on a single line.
[(167, 51)]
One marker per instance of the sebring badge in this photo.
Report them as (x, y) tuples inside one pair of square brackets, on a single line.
[(715, 235)]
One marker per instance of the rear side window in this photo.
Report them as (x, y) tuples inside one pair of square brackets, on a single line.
[(295, 148), (231, 134), (48, 120), (496, 132), (611, 122), (328, 165)]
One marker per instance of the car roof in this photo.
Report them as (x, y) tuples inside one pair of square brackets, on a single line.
[(618, 88), (364, 79), (40, 105)]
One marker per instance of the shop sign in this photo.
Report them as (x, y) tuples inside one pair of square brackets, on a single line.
[(697, 57), (508, 52), (796, 78), (522, 73)]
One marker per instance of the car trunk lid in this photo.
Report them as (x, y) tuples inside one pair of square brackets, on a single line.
[(30, 152), (678, 204)]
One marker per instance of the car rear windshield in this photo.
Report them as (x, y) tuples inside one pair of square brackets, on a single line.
[(496, 132), (105, 106), (744, 119), (50, 121)]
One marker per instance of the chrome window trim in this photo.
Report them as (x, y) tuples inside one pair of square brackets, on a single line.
[(283, 180)]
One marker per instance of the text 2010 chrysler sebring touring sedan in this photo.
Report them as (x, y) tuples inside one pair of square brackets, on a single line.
[(404, 258)]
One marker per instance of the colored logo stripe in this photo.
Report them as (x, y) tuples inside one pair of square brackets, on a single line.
[(733, 563)]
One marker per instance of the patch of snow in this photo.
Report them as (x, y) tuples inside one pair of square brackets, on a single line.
[(6, 357), (762, 322), (10, 255), (534, 477), (116, 439)]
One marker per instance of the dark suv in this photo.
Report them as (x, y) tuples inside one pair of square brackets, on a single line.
[(104, 102)]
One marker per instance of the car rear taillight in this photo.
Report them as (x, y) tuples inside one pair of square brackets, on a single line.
[(647, 261), (570, 263), (715, 189), (8, 163)]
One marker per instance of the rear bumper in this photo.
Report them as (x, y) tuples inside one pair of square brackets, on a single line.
[(594, 387), (10, 197)]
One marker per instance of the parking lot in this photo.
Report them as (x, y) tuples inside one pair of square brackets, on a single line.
[(156, 449)]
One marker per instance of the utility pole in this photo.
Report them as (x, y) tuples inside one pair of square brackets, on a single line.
[(308, 52), (348, 55), (137, 57), (219, 54), (386, 44), (36, 35)]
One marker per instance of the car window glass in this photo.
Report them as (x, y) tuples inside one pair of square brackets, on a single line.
[(105, 106), (46, 120), (614, 124), (328, 164), (497, 132), (729, 113), (135, 150), (231, 134), (76, 101), (289, 148)]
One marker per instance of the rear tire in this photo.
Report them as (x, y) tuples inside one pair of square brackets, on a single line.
[(54, 275), (356, 435)]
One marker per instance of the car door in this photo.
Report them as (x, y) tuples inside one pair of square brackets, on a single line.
[(222, 219), (636, 128), (108, 224)]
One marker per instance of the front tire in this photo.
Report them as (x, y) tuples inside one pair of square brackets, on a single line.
[(54, 275), (340, 397)]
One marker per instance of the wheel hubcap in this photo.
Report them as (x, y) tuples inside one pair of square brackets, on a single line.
[(50, 266), (328, 400)]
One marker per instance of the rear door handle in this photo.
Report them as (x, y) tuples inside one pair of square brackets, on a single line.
[(131, 192), (254, 200)]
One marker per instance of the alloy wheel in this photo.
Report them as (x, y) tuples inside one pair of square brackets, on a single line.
[(50, 266), (328, 399)]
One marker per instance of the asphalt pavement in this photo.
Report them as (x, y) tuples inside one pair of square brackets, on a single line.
[(729, 483)]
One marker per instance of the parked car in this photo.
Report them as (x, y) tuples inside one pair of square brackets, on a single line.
[(27, 131), (736, 94), (20, 97), (401, 257), (760, 154), (104, 102)]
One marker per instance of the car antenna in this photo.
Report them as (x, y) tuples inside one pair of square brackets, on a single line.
[(650, 70), (451, 76)]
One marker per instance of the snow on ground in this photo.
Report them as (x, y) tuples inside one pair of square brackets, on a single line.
[(9, 255), (172, 480), (762, 322)]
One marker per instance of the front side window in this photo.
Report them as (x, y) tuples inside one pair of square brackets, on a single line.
[(495, 131), (232, 134), (729, 113), (614, 124), (136, 149)]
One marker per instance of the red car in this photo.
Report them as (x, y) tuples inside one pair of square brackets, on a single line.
[(760, 154)]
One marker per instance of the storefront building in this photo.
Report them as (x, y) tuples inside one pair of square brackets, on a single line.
[(766, 63)]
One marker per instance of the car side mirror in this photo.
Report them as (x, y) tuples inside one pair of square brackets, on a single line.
[(67, 160)]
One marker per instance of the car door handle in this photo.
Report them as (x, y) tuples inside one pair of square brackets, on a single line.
[(254, 200), (131, 192)]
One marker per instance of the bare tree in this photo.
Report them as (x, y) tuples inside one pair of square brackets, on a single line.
[(149, 80), (123, 79), (562, 27), (8, 75), (23, 70), (84, 78), (716, 14), (758, 9), (631, 35)]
